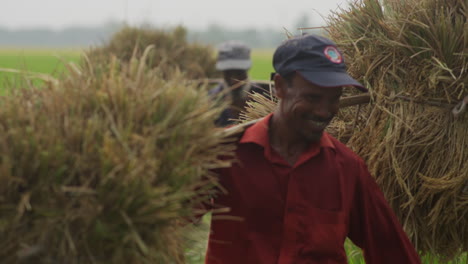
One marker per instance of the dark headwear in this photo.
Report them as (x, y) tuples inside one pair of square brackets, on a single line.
[(315, 58), (233, 55)]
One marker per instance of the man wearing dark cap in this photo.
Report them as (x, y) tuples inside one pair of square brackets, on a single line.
[(234, 62), (296, 193)]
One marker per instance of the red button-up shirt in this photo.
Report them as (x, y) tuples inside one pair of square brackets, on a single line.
[(303, 213)]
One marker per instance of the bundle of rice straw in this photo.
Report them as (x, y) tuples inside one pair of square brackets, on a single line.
[(171, 49), (413, 57), (103, 168)]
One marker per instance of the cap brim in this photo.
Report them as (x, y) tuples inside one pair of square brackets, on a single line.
[(331, 79), (233, 65)]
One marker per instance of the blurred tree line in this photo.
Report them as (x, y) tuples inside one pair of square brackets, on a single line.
[(96, 36)]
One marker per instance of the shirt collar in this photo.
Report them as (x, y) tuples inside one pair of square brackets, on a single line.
[(258, 134)]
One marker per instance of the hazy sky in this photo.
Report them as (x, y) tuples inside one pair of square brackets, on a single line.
[(57, 14)]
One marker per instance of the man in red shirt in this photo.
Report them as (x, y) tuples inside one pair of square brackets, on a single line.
[(296, 193)]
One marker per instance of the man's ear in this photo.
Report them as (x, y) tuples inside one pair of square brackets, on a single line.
[(280, 86)]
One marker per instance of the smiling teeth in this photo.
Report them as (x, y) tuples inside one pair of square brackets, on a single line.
[(319, 124)]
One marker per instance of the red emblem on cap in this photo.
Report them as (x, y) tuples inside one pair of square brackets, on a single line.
[(333, 54)]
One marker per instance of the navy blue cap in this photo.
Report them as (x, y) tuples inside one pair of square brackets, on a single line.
[(315, 58)]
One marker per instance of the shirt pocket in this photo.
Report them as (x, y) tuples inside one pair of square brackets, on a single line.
[(322, 216), (316, 215), (324, 233)]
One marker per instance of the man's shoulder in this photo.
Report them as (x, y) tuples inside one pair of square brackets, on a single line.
[(350, 163), (260, 86), (216, 89), (344, 152), (237, 131)]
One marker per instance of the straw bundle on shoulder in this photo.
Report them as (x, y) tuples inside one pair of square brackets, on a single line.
[(413, 57), (171, 49), (102, 168)]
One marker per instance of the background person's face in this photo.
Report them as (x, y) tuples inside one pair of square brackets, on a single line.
[(308, 108), (232, 77)]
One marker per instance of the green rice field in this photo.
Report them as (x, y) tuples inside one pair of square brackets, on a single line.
[(53, 61), (50, 61), (45, 61)]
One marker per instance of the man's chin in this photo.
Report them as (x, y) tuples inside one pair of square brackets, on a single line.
[(314, 136)]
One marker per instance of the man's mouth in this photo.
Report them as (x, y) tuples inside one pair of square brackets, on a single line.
[(319, 125)]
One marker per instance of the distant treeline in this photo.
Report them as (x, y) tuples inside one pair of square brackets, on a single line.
[(94, 36), (69, 37), (255, 38)]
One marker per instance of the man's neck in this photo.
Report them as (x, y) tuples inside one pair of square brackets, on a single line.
[(284, 141), (242, 87)]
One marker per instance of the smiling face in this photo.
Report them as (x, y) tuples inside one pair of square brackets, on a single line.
[(305, 108)]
